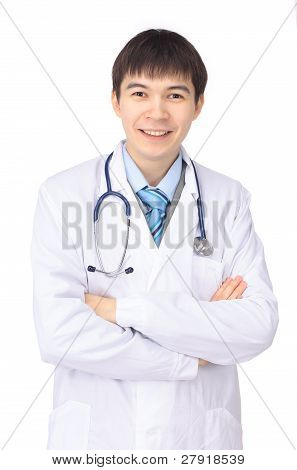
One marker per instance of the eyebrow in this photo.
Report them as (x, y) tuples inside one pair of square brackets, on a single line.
[(173, 87)]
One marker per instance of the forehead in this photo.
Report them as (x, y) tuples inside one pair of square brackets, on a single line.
[(157, 82)]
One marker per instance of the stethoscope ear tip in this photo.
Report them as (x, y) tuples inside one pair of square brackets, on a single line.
[(129, 270), (91, 269)]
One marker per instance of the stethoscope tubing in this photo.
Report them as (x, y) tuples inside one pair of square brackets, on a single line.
[(110, 192), (199, 205)]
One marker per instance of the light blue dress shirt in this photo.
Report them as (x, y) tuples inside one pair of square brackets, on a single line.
[(136, 179)]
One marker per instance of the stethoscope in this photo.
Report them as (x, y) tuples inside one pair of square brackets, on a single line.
[(202, 246)]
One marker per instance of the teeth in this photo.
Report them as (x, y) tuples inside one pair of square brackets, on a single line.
[(156, 133)]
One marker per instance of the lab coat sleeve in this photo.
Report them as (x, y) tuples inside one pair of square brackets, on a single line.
[(68, 330), (223, 332)]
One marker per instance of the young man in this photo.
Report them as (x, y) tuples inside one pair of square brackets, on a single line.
[(147, 360)]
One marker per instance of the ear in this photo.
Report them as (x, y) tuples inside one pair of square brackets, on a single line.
[(198, 107), (115, 103)]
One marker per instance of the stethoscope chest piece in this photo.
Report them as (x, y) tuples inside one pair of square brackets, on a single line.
[(202, 247)]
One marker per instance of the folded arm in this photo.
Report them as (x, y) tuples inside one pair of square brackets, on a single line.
[(225, 331)]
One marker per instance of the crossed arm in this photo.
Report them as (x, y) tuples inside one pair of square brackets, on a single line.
[(138, 342), (105, 307)]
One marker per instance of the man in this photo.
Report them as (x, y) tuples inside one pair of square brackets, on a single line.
[(148, 360)]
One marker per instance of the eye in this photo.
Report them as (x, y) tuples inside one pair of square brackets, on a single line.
[(137, 92), (176, 94)]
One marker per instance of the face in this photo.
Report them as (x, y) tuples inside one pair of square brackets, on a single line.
[(146, 105)]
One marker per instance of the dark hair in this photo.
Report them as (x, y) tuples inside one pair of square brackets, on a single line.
[(160, 53)]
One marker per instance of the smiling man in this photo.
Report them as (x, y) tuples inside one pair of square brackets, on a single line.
[(146, 345), (156, 115)]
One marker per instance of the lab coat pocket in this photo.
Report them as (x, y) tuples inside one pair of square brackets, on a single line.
[(222, 430), (207, 276), (68, 426)]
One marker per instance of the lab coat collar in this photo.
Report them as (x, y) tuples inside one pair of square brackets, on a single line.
[(118, 173)]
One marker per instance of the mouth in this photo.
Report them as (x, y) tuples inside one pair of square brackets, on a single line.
[(155, 137)]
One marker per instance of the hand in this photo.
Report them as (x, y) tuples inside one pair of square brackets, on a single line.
[(202, 362), (104, 307), (230, 289), (92, 300)]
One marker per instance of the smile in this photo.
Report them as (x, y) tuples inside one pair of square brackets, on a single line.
[(155, 135)]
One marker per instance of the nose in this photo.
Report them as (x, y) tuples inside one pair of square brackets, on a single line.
[(157, 111)]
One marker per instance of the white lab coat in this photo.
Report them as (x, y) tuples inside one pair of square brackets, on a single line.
[(137, 384)]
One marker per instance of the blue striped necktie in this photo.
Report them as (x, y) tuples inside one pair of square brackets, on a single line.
[(157, 202)]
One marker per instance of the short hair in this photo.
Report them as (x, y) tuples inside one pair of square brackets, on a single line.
[(160, 53)]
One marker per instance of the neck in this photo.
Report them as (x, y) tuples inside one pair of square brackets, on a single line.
[(153, 170)]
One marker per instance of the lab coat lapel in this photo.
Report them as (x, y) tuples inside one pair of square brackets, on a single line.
[(176, 247)]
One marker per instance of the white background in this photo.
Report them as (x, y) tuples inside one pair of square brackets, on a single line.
[(254, 142)]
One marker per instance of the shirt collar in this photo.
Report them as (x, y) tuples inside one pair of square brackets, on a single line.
[(136, 179)]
